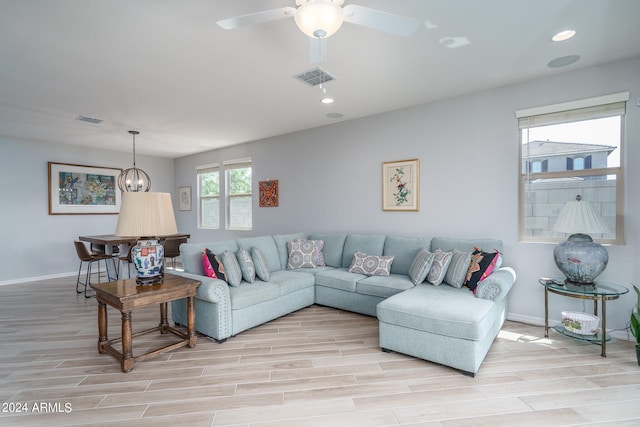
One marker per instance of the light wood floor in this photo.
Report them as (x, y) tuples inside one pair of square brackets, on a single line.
[(316, 367)]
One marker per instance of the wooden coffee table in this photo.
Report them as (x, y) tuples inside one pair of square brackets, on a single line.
[(126, 296)]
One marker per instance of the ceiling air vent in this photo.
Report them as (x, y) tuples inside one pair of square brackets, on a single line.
[(89, 120), (314, 76)]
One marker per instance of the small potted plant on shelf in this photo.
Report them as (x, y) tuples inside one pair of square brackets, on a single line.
[(635, 323)]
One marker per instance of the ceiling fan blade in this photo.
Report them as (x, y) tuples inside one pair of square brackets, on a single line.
[(379, 20), (257, 18), (317, 50)]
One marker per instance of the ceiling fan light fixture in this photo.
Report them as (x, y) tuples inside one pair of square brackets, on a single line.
[(319, 18), (327, 100)]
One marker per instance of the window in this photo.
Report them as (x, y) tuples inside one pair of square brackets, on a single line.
[(239, 197), (208, 196), (571, 149)]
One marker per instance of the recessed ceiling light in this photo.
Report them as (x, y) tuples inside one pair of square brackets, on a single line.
[(563, 35), (327, 100), (335, 115), (563, 61)]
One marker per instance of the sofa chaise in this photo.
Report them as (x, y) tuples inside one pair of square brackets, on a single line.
[(449, 325)]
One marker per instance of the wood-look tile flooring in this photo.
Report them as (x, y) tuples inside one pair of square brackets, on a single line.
[(316, 367)]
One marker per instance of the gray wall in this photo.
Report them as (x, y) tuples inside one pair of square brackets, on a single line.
[(39, 245), (330, 178)]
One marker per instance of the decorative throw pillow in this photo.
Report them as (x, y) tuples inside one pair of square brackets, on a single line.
[(318, 256), (301, 254), (232, 268), (246, 265), (371, 265), (217, 265), (458, 268), (262, 270), (482, 264), (206, 266), (439, 267), (420, 266)]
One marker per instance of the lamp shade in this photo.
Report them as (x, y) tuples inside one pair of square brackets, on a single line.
[(146, 214), (579, 217), (319, 18)]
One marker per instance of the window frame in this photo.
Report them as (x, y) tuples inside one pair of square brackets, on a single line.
[(574, 111), (200, 171), (228, 196)]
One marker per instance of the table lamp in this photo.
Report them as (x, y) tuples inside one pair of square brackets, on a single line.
[(146, 216), (579, 257)]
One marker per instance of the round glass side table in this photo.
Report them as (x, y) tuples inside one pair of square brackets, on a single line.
[(600, 291)]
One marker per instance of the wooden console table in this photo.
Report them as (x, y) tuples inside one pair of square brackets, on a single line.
[(126, 296)]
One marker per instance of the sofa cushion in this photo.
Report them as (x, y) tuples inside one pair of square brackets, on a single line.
[(371, 265), (464, 245), (290, 282), (441, 262), (384, 287), (404, 249), (231, 268), (191, 254), (250, 294), (262, 269), (333, 248), (420, 266), (370, 244), (302, 254), (458, 268), (267, 247), (339, 278), (441, 310), (246, 265), (281, 241)]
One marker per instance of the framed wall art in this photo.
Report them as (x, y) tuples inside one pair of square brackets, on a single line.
[(268, 193), (401, 185), (184, 198), (83, 190)]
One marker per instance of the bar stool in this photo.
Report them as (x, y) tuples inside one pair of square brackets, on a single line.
[(172, 249), (89, 258)]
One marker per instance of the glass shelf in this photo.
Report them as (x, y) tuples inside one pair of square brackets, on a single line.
[(596, 339)]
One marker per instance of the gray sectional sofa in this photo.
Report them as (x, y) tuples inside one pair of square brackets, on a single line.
[(443, 324)]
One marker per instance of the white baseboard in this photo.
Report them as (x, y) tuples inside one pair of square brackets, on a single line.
[(37, 278)]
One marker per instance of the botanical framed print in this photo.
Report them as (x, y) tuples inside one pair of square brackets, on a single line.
[(83, 190), (184, 198), (268, 193), (401, 185)]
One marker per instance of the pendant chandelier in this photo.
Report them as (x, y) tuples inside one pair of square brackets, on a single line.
[(134, 179)]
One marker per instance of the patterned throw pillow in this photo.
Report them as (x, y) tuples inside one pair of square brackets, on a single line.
[(482, 264), (217, 265), (301, 254), (457, 271), (206, 266), (262, 270), (371, 265), (420, 266), (246, 265), (439, 267)]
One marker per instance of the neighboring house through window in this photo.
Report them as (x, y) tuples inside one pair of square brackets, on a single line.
[(569, 149), (239, 197), (208, 196)]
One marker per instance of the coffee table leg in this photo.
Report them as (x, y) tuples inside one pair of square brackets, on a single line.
[(191, 320), (163, 318), (127, 347), (102, 326)]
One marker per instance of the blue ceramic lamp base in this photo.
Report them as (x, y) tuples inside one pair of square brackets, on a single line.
[(581, 259), (148, 258)]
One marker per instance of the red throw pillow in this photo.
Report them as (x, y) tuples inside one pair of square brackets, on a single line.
[(206, 265)]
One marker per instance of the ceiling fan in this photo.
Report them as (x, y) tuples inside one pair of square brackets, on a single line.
[(322, 18)]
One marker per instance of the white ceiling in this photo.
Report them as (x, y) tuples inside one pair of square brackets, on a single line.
[(165, 68)]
